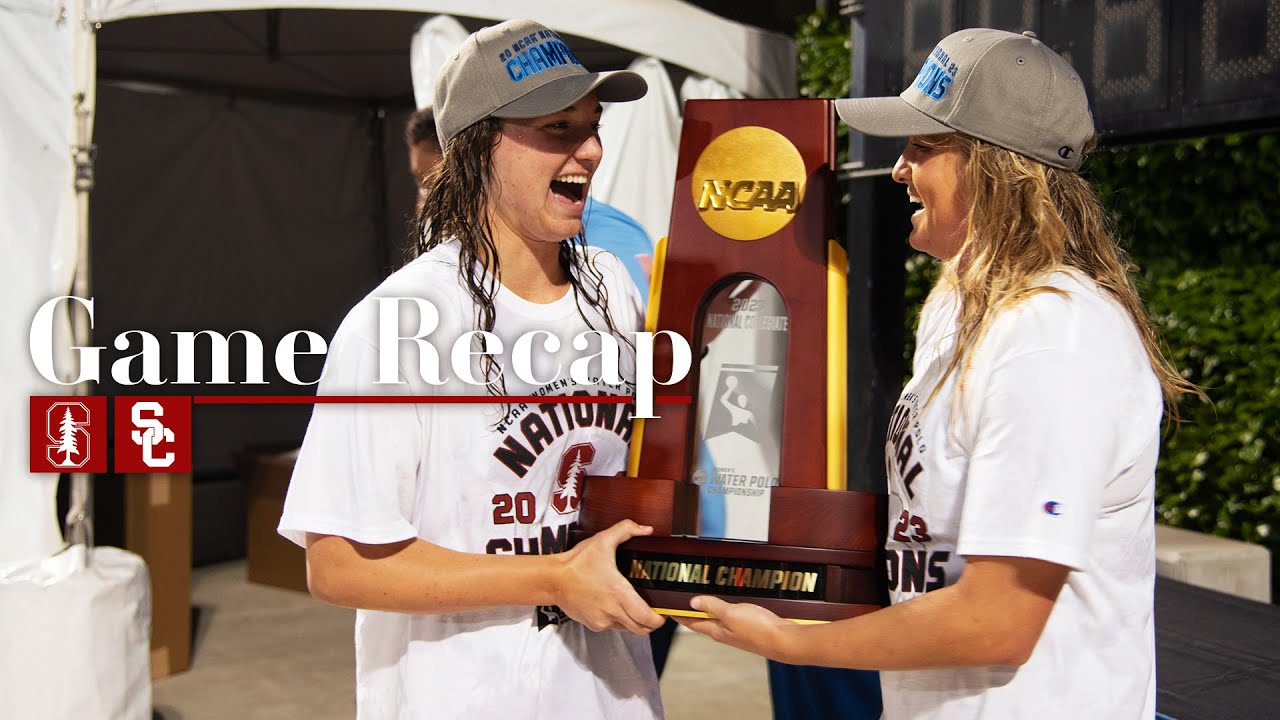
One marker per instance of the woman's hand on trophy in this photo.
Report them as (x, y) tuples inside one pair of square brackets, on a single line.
[(742, 625), (589, 588)]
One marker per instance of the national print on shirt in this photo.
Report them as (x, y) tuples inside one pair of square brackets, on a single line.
[(545, 467), (913, 563)]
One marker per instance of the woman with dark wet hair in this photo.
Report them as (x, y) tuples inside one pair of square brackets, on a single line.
[(447, 525)]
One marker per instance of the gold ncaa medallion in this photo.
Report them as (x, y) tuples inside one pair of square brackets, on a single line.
[(748, 183)]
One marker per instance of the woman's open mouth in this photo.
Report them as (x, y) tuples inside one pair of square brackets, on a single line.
[(570, 187)]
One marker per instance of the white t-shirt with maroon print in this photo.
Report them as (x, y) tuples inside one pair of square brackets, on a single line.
[(1047, 451), (479, 479)]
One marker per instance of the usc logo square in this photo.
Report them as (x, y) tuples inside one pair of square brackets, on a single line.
[(153, 434)]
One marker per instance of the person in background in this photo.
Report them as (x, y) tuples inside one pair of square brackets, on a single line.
[(426, 517), (423, 146), (1021, 455), (609, 228)]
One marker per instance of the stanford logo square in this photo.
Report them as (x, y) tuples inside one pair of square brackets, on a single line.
[(68, 434)]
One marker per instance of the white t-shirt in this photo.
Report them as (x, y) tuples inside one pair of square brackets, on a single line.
[(1049, 452), (472, 478)]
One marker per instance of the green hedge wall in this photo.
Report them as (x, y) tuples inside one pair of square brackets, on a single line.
[(1199, 217), (1219, 471), (1195, 216)]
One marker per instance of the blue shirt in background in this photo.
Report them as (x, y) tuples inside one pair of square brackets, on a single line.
[(608, 228)]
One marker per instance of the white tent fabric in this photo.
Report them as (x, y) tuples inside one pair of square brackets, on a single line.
[(37, 229), (77, 631), (756, 62), (641, 141), (434, 43)]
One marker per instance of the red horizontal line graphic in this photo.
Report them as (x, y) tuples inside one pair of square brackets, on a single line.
[(413, 399)]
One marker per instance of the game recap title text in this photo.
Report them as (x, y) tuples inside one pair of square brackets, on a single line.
[(142, 366)]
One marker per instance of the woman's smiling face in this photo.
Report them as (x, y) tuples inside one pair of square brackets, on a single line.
[(933, 175), (542, 170)]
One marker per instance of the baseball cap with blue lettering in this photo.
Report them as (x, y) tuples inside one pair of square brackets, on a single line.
[(519, 69), (1006, 88)]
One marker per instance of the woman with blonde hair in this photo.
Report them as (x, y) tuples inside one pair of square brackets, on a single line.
[(1021, 455)]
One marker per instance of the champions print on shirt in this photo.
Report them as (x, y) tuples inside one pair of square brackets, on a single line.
[(913, 565)]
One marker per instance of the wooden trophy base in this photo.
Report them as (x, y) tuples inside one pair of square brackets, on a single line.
[(823, 561)]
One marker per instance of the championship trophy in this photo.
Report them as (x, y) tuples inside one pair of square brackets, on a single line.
[(745, 486)]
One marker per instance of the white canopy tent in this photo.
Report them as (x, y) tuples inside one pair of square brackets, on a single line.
[(753, 61), (248, 175)]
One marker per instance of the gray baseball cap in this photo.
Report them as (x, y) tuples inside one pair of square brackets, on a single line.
[(1008, 89), (519, 69)]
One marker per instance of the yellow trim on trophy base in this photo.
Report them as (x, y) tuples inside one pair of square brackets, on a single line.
[(669, 612), (650, 325), (837, 364)]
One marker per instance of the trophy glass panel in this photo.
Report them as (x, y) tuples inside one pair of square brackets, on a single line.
[(742, 382)]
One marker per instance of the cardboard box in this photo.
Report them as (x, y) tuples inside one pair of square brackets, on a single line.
[(158, 527), (272, 560)]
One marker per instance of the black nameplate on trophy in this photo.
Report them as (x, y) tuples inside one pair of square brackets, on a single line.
[(721, 576)]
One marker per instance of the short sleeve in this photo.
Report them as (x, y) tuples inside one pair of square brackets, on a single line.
[(1043, 426), (357, 472)]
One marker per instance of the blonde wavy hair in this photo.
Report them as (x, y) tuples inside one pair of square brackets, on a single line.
[(1026, 220)]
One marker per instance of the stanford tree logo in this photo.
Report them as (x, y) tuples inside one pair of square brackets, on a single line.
[(68, 434), (72, 436), (573, 467)]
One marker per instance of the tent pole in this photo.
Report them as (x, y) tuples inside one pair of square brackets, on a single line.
[(79, 520)]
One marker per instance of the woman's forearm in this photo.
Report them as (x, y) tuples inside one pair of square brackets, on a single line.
[(992, 616), (415, 576)]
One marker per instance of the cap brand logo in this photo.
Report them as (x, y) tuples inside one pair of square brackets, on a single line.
[(748, 183), (936, 74)]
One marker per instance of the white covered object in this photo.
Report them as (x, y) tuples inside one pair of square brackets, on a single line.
[(704, 88), (641, 142), (434, 43), (76, 639)]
